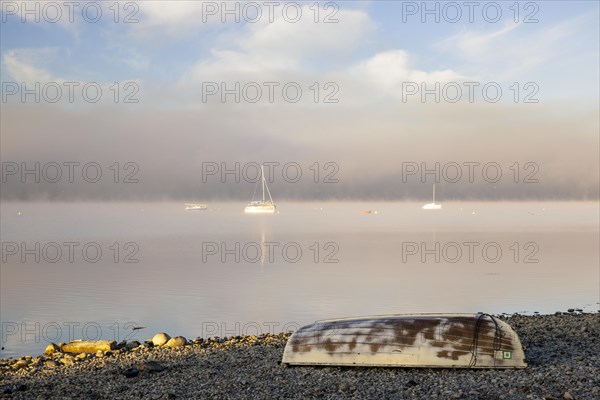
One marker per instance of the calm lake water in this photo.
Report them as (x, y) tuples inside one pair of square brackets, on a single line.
[(104, 268)]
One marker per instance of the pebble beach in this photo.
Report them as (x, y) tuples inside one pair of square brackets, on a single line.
[(562, 353)]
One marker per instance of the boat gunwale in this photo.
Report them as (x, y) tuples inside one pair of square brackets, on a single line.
[(391, 316), (453, 366)]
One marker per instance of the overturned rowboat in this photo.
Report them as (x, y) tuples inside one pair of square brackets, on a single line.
[(408, 340)]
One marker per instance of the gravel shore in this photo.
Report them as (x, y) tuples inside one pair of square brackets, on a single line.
[(563, 353)]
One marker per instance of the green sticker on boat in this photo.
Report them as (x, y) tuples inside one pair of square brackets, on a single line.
[(507, 355)]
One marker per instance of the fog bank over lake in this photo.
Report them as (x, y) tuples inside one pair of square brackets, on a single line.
[(473, 151)]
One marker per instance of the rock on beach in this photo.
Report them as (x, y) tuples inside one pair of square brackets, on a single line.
[(88, 346), (176, 341), (160, 339)]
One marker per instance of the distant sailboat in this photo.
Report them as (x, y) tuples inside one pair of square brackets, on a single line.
[(264, 206), (432, 205)]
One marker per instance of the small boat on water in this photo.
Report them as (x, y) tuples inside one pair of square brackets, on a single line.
[(265, 206), (195, 206), (408, 340), (432, 205)]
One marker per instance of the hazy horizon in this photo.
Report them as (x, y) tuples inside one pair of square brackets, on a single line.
[(180, 89)]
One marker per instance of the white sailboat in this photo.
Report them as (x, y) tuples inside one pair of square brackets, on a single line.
[(261, 206), (432, 205)]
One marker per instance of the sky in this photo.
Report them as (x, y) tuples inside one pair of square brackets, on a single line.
[(344, 100)]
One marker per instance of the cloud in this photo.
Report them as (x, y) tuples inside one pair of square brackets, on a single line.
[(513, 49), (388, 70), (29, 69), (282, 46), (476, 44), (306, 38), (307, 52), (46, 15), (178, 19), (20, 64)]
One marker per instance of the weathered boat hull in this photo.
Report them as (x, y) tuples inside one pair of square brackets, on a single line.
[(408, 340)]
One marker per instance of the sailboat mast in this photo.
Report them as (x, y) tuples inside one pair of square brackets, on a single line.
[(262, 174)]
